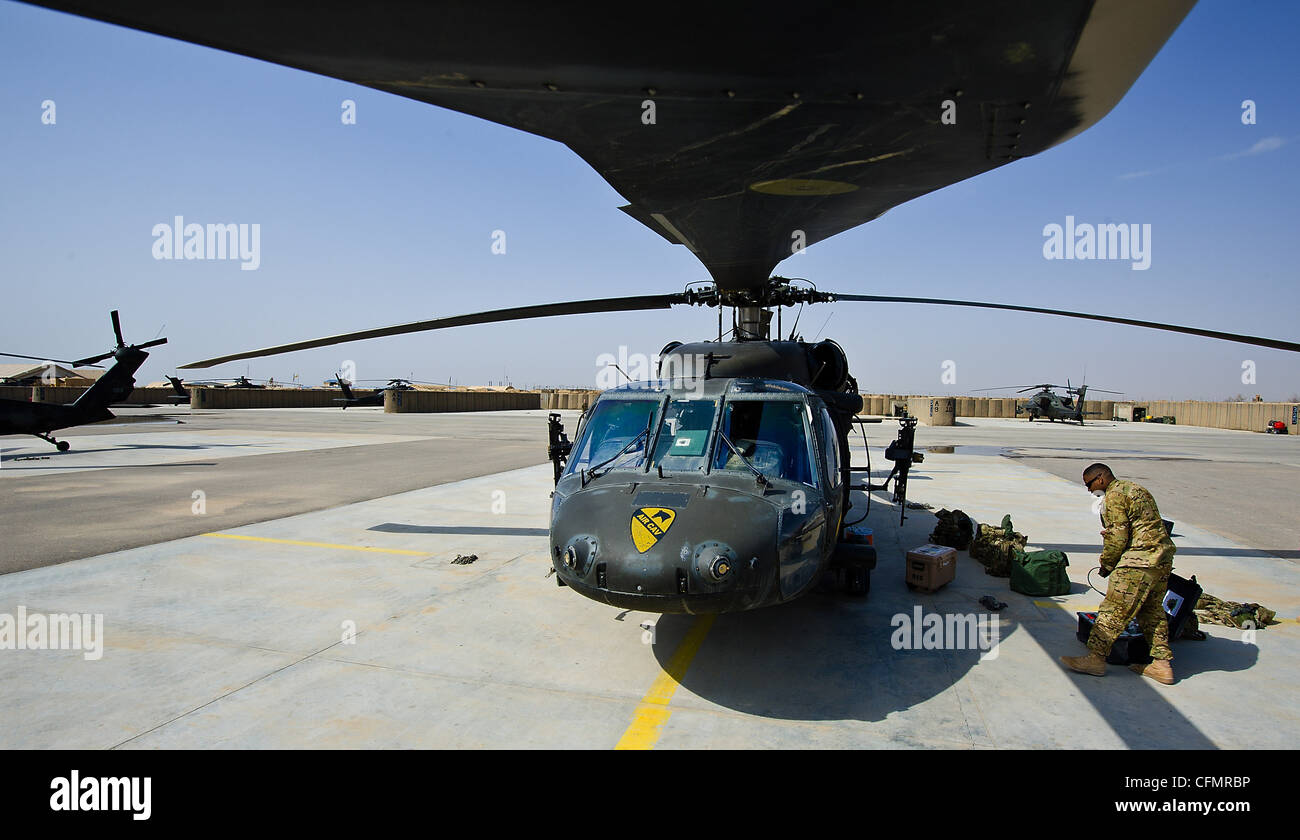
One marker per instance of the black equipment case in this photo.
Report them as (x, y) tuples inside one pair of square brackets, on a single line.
[(1132, 647)]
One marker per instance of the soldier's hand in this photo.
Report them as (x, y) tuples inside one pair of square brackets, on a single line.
[(1105, 572)]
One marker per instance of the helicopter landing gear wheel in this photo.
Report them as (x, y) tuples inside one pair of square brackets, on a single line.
[(61, 445), (852, 569), (857, 580)]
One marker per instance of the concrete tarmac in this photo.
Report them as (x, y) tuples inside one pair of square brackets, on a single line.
[(134, 484), (351, 626)]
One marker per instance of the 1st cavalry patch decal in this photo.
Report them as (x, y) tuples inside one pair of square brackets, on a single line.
[(649, 524)]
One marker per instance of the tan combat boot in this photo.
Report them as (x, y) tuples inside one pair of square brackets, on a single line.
[(1088, 664), (1159, 670)]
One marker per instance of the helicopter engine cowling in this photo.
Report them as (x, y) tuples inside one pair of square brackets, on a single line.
[(823, 366), (829, 366)]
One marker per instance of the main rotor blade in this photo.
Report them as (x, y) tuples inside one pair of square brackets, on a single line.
[(43, 359), (1274, 343), (519, 313), (90, 360), (117, 328)]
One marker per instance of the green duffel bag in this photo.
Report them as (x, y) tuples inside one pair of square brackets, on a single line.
[(1040, 573)]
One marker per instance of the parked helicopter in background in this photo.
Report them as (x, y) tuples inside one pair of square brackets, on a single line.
[(1047, 403), (179, 395), (376, 398), (40, 419)]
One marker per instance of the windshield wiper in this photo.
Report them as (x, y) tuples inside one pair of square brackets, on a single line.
[(592, 473), (762, 479)]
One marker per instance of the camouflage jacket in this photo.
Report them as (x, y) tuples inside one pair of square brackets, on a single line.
[(1135, 533)]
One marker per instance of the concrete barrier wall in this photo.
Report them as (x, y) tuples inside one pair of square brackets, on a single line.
[(933, 411), (428, 402), (1245, 416), (201, 397), (63, 394)]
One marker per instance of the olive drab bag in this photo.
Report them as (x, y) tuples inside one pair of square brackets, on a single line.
[(1040, 573), (954, 529), (995, 546)]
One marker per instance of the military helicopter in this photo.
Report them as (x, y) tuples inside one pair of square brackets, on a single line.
[(1047, 403), (723, 485), (179, 395), (377, 398), (40, 419), (237, 382)]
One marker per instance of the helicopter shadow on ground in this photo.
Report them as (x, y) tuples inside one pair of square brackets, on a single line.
[(84, 468), (825, 658), (72, 453)]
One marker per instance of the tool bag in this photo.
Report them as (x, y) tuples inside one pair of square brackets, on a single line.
[(1040, 573), (995, 546), (954, 530)]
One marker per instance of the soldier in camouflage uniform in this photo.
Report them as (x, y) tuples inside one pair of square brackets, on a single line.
[(1137, 555)]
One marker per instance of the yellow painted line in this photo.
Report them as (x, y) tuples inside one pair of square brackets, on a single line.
[(320, 544), (653, 712)]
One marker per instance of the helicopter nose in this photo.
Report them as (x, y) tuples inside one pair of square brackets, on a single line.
[(687, 552)]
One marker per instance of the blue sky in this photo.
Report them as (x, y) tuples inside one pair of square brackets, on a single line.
[(391, 220)]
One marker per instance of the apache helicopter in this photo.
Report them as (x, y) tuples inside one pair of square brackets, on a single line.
[(40, 419), (1047, 403), (724, 484)]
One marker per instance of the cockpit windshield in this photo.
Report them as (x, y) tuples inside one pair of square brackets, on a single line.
[(614, 426), (684, 435), (772, 437)]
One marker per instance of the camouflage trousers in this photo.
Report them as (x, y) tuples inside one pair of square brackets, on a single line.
[(1134, 594)]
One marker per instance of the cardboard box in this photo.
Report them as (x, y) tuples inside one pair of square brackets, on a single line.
[(930, 567)]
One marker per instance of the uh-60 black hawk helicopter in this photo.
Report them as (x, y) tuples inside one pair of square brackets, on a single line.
[(733, 132), (41, 419), (1047, 403), (377, 396)]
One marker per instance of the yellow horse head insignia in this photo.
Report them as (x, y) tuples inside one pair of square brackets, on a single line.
[(649, 524)]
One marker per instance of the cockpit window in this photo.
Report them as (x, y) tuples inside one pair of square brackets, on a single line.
[(684, 435), (611, 428), (772, 437)]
